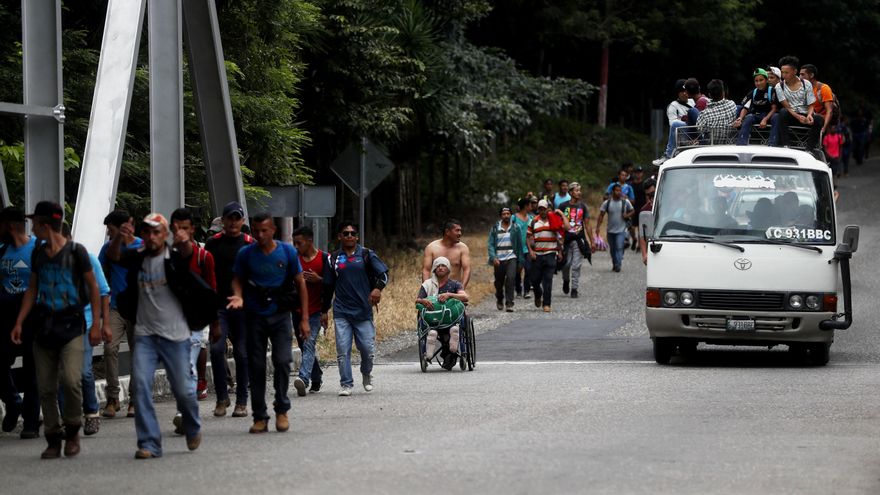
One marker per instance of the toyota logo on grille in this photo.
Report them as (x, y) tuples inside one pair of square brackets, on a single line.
[(742, 264)]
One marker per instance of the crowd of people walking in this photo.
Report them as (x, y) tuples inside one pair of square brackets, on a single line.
[(174, 302)]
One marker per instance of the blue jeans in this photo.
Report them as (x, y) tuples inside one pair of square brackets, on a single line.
[(310, 367), (231, 326), (755, 118), (670, 145), (615, 246), (195, 340), (364, 334), (277, 328), (149, 352)]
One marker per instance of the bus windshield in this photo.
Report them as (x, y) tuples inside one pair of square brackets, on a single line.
[(755, 204)]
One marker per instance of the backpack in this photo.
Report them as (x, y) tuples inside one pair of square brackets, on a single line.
[(835, 104), (366, 255), (769, 94)]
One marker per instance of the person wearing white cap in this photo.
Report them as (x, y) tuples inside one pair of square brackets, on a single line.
[(444, 288), (545, 249)]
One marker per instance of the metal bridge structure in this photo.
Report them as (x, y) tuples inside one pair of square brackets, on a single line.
[(171, 26)]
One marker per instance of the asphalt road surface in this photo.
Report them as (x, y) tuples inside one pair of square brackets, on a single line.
[(565, 402)]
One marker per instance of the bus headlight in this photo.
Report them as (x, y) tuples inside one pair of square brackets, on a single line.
[(812, 303), (687, 298), (796, 302), (670, 298)]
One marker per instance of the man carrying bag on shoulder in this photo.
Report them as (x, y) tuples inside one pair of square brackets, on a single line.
[(62, 283)]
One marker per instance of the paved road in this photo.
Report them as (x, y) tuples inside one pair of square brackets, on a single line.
[(560, 403)]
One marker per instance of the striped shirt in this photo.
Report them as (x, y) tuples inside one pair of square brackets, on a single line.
[(545, 237), (504, 243)]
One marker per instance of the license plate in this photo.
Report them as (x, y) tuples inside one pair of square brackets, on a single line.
[(740, 325)]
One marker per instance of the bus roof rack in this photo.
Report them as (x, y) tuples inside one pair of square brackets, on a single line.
[(689, 137)]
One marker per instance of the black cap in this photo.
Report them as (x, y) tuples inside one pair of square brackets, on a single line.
[(679, 86), (11, 214), (48, 209), (233, 208), (638, 169)]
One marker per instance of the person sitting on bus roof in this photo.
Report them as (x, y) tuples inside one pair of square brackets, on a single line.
[(797, 98), (680, 112), (719, 114), (758, 106)]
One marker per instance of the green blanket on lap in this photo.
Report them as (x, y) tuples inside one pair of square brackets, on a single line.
[(444, 315)]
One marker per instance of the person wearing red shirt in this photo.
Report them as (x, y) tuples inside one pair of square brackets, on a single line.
[(201, 262), (314, 263)]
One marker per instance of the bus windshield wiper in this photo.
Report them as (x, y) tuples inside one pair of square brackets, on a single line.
[(781, 243), (703, 238)]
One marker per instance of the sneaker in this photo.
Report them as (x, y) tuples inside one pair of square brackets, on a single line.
[(92, 424), (315, 388), (130, 413), (282, 424), (537, 302), (220, 408), (659, 161), (240, 411), (28, 434), (565, 286), (616, 269), (547, 309), (300, 385), (10, 421), (499, 305), (449, 361), (202, 390), (111, 408), (259, 426), (526, 295), (345, 391), (178, 424), (368, 382), (574, 293), (509, 309)]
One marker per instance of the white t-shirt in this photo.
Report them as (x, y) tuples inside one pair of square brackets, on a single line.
[(799, 100), (159, 311)]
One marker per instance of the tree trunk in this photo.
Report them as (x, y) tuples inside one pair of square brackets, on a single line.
[(603, 86), (406, 203)]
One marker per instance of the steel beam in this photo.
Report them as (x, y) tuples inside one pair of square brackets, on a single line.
[(56, 112), (105, 141), (165, 32), (43, 138), (4, 191), (213, 107)]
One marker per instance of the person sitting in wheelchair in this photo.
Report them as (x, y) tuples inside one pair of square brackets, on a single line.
[(440, 290)]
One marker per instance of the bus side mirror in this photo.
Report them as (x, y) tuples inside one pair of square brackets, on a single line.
[(851, 237), (646, 224)]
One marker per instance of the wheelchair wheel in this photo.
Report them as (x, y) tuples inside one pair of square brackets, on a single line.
[(472, 346), (423, 362)]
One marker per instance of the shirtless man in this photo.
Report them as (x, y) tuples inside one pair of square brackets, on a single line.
[(451, 248)]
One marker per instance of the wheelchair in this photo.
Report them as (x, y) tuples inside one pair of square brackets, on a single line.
[(467, 342)]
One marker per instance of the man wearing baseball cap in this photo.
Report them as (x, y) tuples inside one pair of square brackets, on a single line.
[(16, 249), (162, 298), (62, 283), (224, 246), (545, 249)]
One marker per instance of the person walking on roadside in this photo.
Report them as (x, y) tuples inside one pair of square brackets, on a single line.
[(357, 277), (120, 327), (545, 249), (16, 252), (268, 284), (563, 195), (62, 283), (200, 262), (833, 144), (619, 210), (451, 248), (650, 189), (315, 264), (164, 300), (92, 420), (578, 242), (522, 219), (224, 247), (505, 252)]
